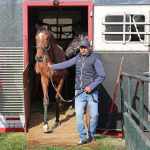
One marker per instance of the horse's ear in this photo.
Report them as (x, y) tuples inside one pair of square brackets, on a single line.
[(84, 35), (37, 26)]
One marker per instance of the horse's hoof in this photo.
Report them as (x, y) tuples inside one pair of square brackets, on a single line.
[(46, 129), (56, 124)]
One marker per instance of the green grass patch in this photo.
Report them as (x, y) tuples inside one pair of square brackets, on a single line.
[(17, 141), (12, 141)]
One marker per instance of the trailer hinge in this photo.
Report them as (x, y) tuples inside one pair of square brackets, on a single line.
[(91, 13)]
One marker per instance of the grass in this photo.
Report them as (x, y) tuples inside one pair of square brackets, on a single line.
[(13, 141), (17, 141)]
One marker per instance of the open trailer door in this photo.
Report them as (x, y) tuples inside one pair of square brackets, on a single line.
[(26, 97), (75, 12)]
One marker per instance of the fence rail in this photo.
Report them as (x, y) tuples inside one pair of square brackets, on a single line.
[(134, 123)]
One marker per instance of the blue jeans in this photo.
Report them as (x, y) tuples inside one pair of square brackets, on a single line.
[(80, 106)]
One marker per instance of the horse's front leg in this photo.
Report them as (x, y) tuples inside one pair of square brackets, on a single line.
[(58, 102), (45, 83)]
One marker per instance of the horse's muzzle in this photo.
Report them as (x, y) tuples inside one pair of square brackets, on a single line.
[(39, 59)]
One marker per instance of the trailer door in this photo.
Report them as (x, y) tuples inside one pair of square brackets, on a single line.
[(26, 97)]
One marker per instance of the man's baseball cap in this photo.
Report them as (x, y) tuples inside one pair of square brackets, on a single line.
[(84, 42)]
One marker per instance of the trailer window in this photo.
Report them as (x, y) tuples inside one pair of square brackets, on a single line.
[(124, 28), (61, 27)]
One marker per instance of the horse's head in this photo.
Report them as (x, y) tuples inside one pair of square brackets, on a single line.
[(73, 48), (42, 43)]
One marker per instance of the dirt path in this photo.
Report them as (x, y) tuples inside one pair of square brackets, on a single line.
[(64, 135)]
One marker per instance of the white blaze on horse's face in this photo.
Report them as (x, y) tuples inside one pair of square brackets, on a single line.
[(42, 39), (41, 35), (39, 45)]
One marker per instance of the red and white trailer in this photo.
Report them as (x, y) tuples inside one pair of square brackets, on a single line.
[(115, 29)]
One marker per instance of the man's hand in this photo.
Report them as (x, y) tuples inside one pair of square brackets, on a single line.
[(49, 65), (87, 89)]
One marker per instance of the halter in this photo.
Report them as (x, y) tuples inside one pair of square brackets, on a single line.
[(40, 58), (44, 49)]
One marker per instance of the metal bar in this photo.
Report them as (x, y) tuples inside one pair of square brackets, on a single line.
[(13, 61), (141, 120), (132, 33), (8, 101), (141, 103), (11, 111), (129, 94), (11, 48), (11, 55), (11, 64), (140, 78), (122, 102), (126, 23), (11, 107)]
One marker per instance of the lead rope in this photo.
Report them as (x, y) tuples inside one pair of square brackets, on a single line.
[(67, 101), (50, 76)]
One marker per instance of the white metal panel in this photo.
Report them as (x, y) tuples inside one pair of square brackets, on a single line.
[(100, 12), (11, 121), (12, 95)]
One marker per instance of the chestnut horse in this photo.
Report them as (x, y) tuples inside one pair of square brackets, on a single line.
[(49, 52)]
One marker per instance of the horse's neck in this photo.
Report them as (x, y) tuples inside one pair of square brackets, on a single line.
[(49, 59), (52, 55), (56, 54)]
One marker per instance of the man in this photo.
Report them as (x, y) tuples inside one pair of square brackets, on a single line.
[(89, 74)]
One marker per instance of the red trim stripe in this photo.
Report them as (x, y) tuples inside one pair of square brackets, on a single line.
[(3, 130), (111, 133), (12, 118)]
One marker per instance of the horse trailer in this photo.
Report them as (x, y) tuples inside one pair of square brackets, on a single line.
[(116, 29)]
